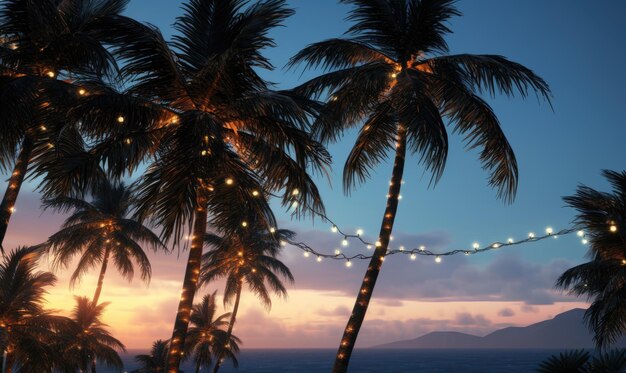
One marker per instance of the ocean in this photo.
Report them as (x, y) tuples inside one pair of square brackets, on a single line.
[(377, 361)]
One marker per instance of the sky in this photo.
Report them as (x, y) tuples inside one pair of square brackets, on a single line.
[(574, 45)]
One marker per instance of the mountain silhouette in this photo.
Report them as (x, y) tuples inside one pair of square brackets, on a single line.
[(565, 331)]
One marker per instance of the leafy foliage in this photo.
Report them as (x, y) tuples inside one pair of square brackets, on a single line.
[(602, 279)]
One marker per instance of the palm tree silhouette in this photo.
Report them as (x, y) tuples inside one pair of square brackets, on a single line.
[(156, 360), (28, 332), (87, 339), (206, 332), (45, 46), (602, 280), (99, 231), (219, 135), (246, 257), (392, 77)]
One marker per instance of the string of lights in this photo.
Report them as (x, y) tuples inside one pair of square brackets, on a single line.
[(421, 250)]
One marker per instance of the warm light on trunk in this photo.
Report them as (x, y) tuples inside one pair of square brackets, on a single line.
[(7, 206), (190, 283), (342, 359)]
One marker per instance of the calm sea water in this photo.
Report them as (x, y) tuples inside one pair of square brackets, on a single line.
[(379, 361)]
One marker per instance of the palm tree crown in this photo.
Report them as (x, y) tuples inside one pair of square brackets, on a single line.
[(392, 77), (87, 338), (206, 332), (99, 230), (602, 217), (28, 332)]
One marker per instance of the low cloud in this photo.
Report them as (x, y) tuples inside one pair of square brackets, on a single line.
[(506, 312)]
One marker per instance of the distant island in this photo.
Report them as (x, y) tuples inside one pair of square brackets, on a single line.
[(565, 331)]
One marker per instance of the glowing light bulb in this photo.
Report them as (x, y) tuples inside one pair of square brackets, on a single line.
[(382, 258), (337, 251), (422, 248), (401, 248), (531, 235), (283, 243), (43, 128), (475, 245), (369, 247), (82, 92), (580, 233), (11, 209), (295, 192), (495, 245), (390, 238), (294, 204), (244, 223), (394, 75), (128, 141), (319, 259), (344, 242), (584, 241), (413, 256), (272, 230), (359, 232), (613, 228), (255, 193), (203, 152), (378, 244), (510, 240), (334, 229), (229, 181), (50, 74), (348, 264), (399, 196), (306, 254), (549, 230), (120, 119), (437, 259)]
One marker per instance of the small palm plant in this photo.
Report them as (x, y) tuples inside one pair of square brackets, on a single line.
[(581, 361), (206, 333), (246, 257), (602, 217), (155, 361), (100, 231), (28, 332), (87, 340), (392, 77)]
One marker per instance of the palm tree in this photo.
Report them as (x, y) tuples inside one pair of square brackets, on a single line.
[(27, 330), (602, 217), (246, 257), (45, 46), (391, 76), (219, 135), (579, 361), (87, 339), (99, 231), (207, 332), (156, 360)]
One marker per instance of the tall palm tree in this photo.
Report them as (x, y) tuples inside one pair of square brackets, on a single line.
[(87, 340), (219, 135), (207, 332), (45, 46), (602, 216), (246, 257), (27, 330), (99, 231), (392, 77)]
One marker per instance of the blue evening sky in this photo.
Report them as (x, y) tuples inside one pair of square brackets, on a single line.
[(576, 46)]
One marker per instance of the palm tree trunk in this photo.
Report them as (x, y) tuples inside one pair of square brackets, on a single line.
[(13, 189), (231, 324), (198, 366), (103, 270), (371, 275), (190, 283), (93, 366), (9, 361)]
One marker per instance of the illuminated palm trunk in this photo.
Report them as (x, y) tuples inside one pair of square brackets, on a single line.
[(9, 361), (103, 270), (369, 281), (13, 189), (190, 284), (231, 324)]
